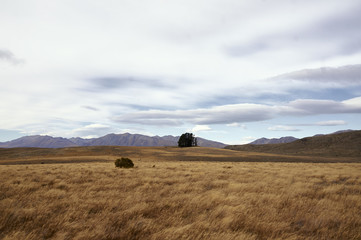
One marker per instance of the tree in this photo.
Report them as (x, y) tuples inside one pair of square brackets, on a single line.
[(187, 140)]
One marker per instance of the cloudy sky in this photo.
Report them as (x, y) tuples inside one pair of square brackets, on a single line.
[(227, 70)]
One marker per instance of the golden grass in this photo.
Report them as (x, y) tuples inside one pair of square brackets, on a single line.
[(106, 153), (181, 200)]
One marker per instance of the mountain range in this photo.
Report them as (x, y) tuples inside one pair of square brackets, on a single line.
[(125, 139)]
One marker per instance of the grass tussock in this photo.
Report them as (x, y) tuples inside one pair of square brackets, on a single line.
[(181, 200)]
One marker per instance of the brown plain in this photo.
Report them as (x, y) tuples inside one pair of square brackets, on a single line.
[(172, 193)]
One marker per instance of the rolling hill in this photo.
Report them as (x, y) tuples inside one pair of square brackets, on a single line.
[(344, 144), (125, 139)]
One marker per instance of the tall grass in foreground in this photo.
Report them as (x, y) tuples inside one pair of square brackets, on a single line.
[(181, 200)]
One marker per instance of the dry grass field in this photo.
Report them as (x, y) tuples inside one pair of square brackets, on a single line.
[(170, 199), (107, 153)]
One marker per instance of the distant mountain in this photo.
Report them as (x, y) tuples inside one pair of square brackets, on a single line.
[(37, 141), (344, 144), (274, 140), (125, 139)]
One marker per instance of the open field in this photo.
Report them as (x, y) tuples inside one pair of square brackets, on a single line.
[(107, 153), (162, 198)]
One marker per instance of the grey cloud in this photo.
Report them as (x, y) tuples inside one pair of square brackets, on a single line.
[(111, 82), (310, 106), (108, 83), (91, 108), (8, 56), (232, 97), (344, 28), (240, 113), (341, 31), (233, 113), (215, 115), (351, 46), (138, 107), (322, 123), (248, 49), (350, 74), (144, 118), (134, 106), (316, 107)]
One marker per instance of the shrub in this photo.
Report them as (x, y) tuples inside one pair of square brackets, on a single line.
[(124, 163)]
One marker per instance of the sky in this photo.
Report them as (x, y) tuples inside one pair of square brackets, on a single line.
[(226, 70)]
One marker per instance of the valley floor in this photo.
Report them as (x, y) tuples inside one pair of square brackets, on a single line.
[(181, 200)]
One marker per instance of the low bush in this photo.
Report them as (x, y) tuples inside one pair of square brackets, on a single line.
[(124, 163)]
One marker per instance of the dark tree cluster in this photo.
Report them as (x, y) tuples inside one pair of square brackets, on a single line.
[(187, 140)]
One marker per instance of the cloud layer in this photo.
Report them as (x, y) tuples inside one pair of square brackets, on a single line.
[(219, 68), (242, 113)]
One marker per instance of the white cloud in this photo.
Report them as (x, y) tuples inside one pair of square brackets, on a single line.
[(90, 136), (245, 140), (235, 124), (96, 126), (200, 128), (283, 128), (92, 130), (331, 123), (353, 103)]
